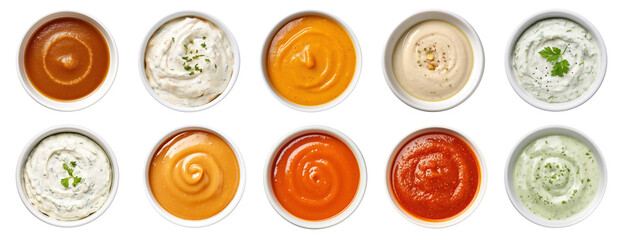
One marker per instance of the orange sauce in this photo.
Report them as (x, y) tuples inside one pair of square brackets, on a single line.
[(435, 176), (66, 59), (315, 176), (194, 175), (311, 61)]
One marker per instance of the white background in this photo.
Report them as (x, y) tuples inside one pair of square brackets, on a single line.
[(131, 121)]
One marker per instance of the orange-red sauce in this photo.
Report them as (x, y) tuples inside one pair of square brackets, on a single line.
[(315, 176), (435, 176), (66, 59)]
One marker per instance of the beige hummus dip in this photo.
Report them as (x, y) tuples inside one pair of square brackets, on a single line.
[(433, 61)]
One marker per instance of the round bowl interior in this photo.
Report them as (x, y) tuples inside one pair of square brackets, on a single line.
[(233, 44), (514, 82), (23, 159), (330, 221), (509, 176), (204, 222), (79, 103), (457, 218), (332, 103), (478, 61)]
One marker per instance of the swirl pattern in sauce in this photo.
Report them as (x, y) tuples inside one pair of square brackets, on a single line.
[(315, 176), (67, 59), (194, 175)]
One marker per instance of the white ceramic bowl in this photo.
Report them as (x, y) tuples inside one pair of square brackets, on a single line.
[(215, 218), (268, 169), (79, 103), (233, 44), (332, 103), (23, 159), (478, 60), (509, 175), (465, 213), (514, 82)]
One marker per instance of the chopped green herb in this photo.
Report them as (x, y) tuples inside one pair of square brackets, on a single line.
[(65, 181)]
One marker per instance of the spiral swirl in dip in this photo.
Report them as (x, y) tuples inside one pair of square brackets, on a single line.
[(556, 177), (435, 176), (311, 61), (194, 175), (67, 176), (433, 61), (66, 59), (315, 176), (188, 62)]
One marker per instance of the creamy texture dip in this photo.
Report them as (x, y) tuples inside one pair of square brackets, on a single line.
[(433, 60), (188, 62), (556, 177), (67, 176), (534, 72)]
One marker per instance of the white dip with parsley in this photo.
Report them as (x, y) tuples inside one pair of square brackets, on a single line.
[(556, 60), (556, 177), (67, 176), (188, 62)]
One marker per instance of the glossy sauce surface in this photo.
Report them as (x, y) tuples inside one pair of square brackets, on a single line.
[(194, 175), (435, 176), (311, 61), (315, 176), (67, 59)]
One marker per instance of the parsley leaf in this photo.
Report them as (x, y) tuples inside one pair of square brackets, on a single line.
[(76, 180), (554, 55), (65, 182), (560, 68), (551, 54)]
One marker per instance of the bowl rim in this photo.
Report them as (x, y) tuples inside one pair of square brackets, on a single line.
[(34, 141), (478, 63), (207, 221), (336, 219), (522, 143), (351, 85), (550, 14), (472, 206), (204, 16), (77, 104)]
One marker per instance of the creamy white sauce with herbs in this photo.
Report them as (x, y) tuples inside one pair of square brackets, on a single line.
[(534, 72), (189, 62), (556, 177), (67, 176)]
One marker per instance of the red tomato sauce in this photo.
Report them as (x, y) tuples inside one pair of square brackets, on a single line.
[(435, 176)]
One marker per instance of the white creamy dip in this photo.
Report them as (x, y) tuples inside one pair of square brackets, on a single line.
[(48, 184), (533, 71), (433, 61), (188, 62)]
